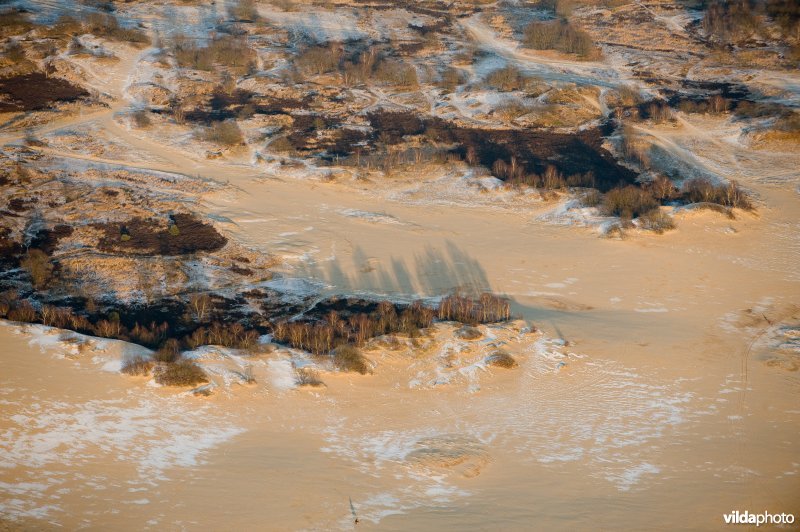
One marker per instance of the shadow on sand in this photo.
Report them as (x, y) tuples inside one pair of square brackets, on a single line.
[(434, 272)]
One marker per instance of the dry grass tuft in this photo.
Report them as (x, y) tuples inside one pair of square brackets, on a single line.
[(308, 377), (349, 358), (501, 359), (181, 373), (138, 366)]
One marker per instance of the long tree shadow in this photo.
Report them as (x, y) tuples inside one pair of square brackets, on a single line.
[(433, 272)]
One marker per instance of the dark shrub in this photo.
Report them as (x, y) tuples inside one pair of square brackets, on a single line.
[(23, 311), (628, 202)]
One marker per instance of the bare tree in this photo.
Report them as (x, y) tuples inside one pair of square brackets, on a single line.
[(200, 303)]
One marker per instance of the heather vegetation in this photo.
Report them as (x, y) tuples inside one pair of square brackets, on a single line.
[(180, 233), (16, 93)]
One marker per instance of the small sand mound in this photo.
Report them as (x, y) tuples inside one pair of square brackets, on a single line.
[(468, 333), (464, 455)]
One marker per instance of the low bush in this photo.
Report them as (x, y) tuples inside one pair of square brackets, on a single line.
[(591, 198), (39, 267), (662, 188), (701, 190), (713, 105), (396, 73), (141, 118), (349, 358), (628, 202), (715, 207), (22, 311), (181, 373), (231, 51), (502, 359), (225, 334), (511, 110), (319, 59), (168, 352), (468, 333), (450, 79), (244, 11), (656, 221), (308, 377), (137, 366), (730, 21), (508, 78), (225, 133), (628, 95)]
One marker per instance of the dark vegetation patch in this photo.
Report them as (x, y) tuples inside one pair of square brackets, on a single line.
[(356, 321), (528, 157), (47, 239), (242, 104), (172, 325), (183, 234), (241, 271), (522, 156), (20, 204), (712, 97), (35, 91)]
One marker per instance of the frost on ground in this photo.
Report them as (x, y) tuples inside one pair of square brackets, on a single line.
[(46, 444)]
